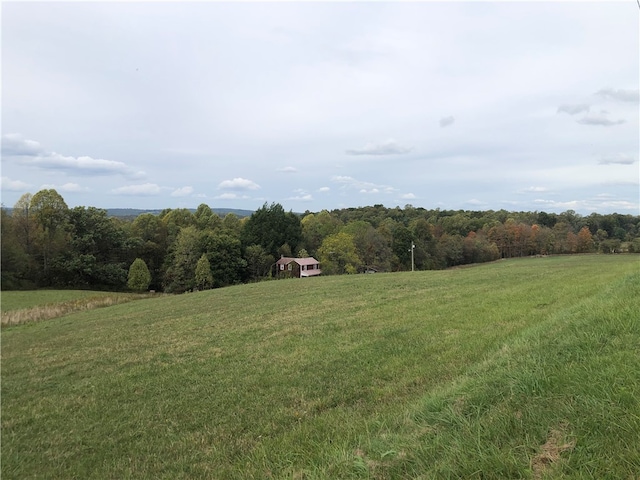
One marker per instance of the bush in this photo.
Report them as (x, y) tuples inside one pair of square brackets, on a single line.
[(139, 276)]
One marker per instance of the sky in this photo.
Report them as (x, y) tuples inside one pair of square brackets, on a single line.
[(523, 106)]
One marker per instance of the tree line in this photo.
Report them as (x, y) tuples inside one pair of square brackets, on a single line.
[(47, 244)]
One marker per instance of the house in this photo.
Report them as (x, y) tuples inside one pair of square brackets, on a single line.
[(298, 267)]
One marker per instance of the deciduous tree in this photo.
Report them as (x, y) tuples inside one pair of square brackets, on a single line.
[(24, 221), (316, 227), (180, 275), (151, 239), (451, 249), (204, 278), (372, 247), (338, 254), (51, 214), (205, 219), (97, 254), (224, 252), (584, 242), (258, 261), (14, 260), (401, 246)]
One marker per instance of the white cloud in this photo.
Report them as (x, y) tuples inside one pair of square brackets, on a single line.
[(446, 121), (230, 196), (475, 202), (66, 188), (390, 147), (621, 183), (534, 190), (408, 196), (595, 204), (238, 184), (620, 159), (301, 196), (349, 183), (14, 185), (306, 197), (324, 189), (620, 204), (29, 152), (621, 95), (574, 109), (600, 119), (145, 189), (182, 192), (14, 144), (288, 170), (83, 165)]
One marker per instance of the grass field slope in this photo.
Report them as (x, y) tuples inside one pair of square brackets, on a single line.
[(517, 369)]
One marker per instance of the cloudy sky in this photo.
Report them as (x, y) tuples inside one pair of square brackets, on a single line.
[(451, 105)]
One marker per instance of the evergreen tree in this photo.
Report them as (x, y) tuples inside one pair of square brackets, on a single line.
[(271, 228)]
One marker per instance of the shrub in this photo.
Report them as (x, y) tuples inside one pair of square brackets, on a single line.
[(139, 276)]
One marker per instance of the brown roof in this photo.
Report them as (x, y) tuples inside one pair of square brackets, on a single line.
[(299, 261)]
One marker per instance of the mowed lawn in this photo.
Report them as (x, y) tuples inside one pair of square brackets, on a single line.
[(525, 368)]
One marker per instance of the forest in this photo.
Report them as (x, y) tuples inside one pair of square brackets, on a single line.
[(46, 244)]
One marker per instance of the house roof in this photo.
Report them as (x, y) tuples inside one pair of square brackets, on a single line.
[(299, 261)]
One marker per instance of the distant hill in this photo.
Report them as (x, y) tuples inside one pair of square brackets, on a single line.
[(134, 212)]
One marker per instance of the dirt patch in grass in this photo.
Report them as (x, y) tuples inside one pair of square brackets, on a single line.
[(550, 452)]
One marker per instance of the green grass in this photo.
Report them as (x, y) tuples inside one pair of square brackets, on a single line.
[(518, 369)]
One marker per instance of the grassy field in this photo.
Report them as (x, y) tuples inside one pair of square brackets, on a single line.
[(517, 369), (20, 307)]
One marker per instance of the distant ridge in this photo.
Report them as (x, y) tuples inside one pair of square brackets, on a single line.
[(135, 212)]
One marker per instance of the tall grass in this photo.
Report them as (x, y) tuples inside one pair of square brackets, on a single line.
[(23, 299), (48, 304), (518, 369)]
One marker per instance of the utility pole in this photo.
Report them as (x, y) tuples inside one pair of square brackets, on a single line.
[(413, 246)]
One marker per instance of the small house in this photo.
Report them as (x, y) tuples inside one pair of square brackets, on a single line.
[(298, 267)]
